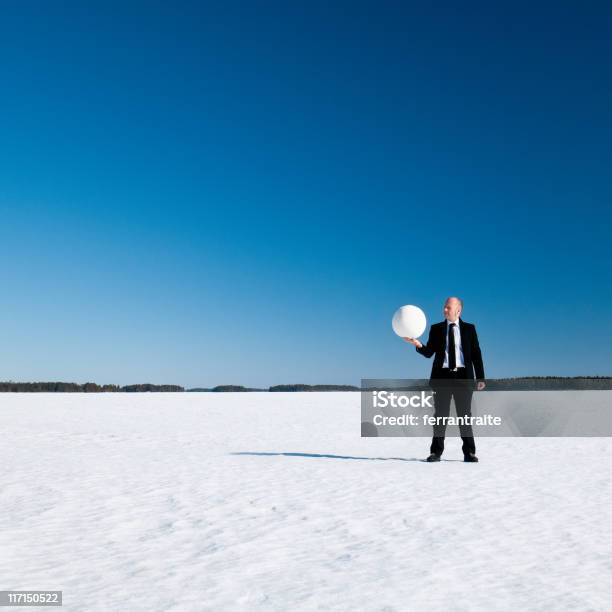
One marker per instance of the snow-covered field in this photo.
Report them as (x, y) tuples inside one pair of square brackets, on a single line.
[(265, 501)]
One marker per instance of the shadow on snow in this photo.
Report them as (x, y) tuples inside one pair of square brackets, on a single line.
[(325, 456)]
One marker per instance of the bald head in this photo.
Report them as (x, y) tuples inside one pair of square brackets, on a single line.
[(452, 309)]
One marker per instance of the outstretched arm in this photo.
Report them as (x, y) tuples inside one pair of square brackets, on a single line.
[(426, 350)]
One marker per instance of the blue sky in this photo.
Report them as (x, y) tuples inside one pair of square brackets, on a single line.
[(244, 193)]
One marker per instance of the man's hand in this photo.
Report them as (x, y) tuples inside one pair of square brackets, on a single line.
[(416, 343), (481, 385)]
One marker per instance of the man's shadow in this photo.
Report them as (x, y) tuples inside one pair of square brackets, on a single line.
[(327, 456)]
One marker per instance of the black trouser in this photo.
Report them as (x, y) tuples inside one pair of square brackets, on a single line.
[(461, 391)]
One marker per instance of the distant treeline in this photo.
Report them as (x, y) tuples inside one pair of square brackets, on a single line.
[(531, 383), (551, 383), (313, 388), (225, 389), (239, 388), (66, 387)]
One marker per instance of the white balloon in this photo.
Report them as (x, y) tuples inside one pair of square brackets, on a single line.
[(409, 322)]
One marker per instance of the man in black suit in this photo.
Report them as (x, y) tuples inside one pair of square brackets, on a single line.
[(452, 374)]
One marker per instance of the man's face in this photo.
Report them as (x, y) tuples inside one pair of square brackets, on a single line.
[(452, 309)]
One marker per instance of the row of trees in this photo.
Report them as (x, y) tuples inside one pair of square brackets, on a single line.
[(225, 389), (66, 387), (240, 388), (551, 383), (313, 388), (533, 383)]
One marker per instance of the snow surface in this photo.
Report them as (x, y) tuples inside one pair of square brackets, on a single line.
[(265, 501)]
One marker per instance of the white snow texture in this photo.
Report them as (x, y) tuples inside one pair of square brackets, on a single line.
[(273, 501)]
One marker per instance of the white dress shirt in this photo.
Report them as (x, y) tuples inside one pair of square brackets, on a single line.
[(458, 350)]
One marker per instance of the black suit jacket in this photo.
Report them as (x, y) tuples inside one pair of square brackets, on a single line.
[(436, 345)]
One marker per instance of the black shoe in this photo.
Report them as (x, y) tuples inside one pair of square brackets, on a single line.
[(470, 458), (433, 457)]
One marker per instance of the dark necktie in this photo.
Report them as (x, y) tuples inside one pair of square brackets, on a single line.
[(452, 359)]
